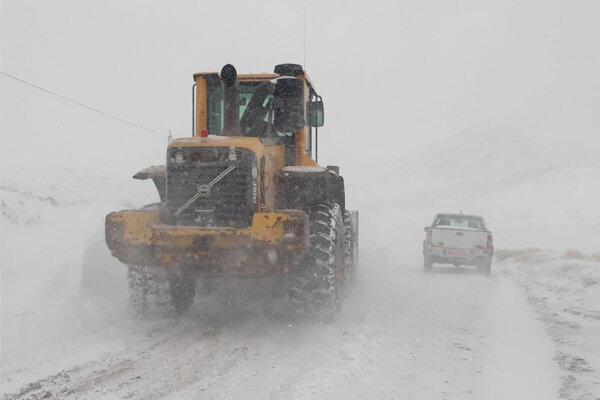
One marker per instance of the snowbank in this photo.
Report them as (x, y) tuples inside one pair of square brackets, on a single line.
[(51, 221), (564, 289)]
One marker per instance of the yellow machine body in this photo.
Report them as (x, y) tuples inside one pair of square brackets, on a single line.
[(273, 242), (270, 245)]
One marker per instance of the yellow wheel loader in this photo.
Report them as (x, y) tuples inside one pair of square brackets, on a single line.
[(243, 198)]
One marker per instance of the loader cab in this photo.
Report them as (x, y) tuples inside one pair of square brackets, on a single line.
[(282, 108), (256, 111)]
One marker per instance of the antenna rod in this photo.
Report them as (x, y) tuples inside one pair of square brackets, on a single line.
[(304, 37)]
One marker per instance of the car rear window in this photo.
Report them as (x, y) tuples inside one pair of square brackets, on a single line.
[(459, 221)]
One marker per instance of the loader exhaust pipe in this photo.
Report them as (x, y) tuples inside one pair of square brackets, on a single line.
[(231, 99)]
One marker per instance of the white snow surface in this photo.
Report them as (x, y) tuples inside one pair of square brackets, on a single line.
[(527, 332), (309, 169)]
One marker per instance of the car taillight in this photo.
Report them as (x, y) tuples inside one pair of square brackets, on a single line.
[(428, 237), (490, 242)]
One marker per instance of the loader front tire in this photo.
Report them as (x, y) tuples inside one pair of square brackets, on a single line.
[(148, 289), (316, 281), (183, 290)]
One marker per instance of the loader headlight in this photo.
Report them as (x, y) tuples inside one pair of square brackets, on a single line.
[(177, 157)]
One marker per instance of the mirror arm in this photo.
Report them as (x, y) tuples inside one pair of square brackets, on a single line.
[(316, 144), (318, 98)]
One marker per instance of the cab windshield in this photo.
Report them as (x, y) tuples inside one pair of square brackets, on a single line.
[(216, 111)]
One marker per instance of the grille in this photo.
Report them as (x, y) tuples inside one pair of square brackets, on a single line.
[(230, 201)]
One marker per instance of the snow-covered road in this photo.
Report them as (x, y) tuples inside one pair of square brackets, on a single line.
[(404, 334), (529, 331)]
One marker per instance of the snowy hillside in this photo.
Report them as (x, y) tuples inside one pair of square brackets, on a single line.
[(49, 219), (526, 199)]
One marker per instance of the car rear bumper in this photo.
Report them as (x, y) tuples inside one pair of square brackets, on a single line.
[(457, 256)]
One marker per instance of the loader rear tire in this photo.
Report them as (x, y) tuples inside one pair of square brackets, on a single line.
[(316, 281), (350, 247)]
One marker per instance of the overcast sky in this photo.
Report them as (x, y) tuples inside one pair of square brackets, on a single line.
[(395, 75)]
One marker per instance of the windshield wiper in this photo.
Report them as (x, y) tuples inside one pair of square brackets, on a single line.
[(204, 190)]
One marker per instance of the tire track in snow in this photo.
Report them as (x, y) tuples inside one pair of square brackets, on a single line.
[(403, 334), (563, 290), (519, 360), (193, 358)]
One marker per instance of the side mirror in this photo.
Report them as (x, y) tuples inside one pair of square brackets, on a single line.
[(288, 104), (334, 168), (315, 113)]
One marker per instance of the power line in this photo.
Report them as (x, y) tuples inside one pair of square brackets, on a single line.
[(81, 104)]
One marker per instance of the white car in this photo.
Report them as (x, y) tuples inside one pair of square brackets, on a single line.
[(458, 239)]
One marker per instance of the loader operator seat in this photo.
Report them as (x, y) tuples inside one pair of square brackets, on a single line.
[(253, 121)]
